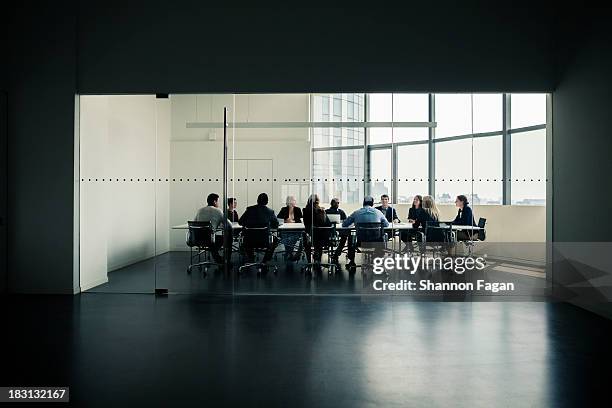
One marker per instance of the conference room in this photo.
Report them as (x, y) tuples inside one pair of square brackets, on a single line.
[(151, 165)]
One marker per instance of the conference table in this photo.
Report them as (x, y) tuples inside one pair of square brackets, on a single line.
[(298, 226)]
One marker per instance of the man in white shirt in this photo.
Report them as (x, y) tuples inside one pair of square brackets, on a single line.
[(213, 214)]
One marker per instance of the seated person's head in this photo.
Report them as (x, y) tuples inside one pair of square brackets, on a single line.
[(262, 199), (368, 201), (231, 203), (313, 201), (384, 199), (212, 200), (334, 203), (290, 201), (461, 201)]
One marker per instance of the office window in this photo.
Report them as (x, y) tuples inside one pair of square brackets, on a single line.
[(527, 110), (412, 171), (488, 171), (379, 165), (453, 170), (379, 110), (338, 173), (410, 108), (349, 105), (529, 168), (453, 114), (488, 112)]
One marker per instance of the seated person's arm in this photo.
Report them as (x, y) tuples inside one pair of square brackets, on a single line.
[(273, 220), (384, 221), (395, 217), (348, 221)]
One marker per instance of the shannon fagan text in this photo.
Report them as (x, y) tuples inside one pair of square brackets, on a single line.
[(415, 263), (427, 285)]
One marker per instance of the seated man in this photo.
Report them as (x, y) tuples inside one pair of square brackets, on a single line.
[(387, 210), (232, 214), (213, 214), (258, 216), (335, 209), (365, 214)]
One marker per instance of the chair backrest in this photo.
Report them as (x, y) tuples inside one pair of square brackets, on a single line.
[(370, 231), (438, 232), (200, 234), (322, 235), (260, 237), (482, 235)]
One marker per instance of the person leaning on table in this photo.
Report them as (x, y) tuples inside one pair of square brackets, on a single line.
[(367, 213)]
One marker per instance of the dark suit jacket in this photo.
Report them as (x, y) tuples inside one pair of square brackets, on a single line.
[(465, 217), (423, 218), (284, 213), (257, 216), (390, 214), (233, 215), (413, 213)]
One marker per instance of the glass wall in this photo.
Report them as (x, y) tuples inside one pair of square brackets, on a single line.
[(150, 165)]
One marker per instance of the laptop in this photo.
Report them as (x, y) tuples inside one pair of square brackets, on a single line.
[(335, 218)]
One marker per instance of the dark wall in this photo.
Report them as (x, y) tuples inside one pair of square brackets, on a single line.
[(145, 47), (188, 47), (582, 145), (41, 88)]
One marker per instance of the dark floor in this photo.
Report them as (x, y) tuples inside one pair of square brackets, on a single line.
[(139, 350), (169, 271)]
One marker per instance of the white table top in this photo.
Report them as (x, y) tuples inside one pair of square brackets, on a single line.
[(300, 226)]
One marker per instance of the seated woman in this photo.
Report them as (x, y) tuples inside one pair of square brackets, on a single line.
[(465, 216), (413, 214), (290, 214), (314, 216), (429, 217)]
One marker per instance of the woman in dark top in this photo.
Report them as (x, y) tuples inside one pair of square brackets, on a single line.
[(290, 213), (465, 216), (314, 216), (417, 203), (413, 215)]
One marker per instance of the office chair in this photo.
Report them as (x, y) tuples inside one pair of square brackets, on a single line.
[(368, 232), (256, 240), (437, 236), (321, 239), (480, 235), (200, 235)]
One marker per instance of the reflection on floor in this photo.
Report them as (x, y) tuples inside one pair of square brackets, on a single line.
[(328, 351), (169, 271)]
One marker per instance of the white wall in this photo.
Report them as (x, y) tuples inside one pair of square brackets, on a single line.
[(122, 137), (197, 158)]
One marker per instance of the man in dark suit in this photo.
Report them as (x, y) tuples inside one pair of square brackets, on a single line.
[(258, 216), (386, 209)]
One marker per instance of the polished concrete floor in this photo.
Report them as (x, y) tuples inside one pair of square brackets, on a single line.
[(142, 350), (169, 271)]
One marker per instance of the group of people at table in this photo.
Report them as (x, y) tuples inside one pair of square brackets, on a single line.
[(424, 211)]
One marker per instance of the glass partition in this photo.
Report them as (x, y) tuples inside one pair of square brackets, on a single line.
[(289, 169), (117, 190)]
